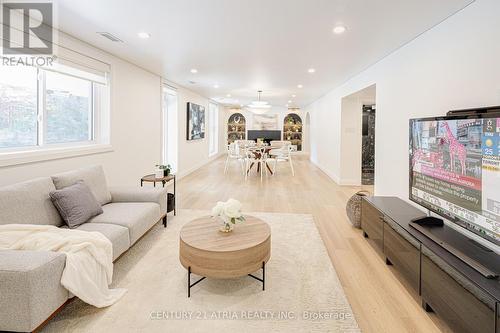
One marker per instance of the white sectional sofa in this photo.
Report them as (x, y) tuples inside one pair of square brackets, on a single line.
[(30, 288)]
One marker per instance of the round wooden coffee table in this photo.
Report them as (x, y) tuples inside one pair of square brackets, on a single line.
[(207, 252)]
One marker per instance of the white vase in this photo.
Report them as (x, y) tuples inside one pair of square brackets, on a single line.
[(158, 173)]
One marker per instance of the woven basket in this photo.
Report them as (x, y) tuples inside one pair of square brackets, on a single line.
[(353, 208)]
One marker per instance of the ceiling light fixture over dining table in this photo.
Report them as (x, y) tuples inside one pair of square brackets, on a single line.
[(259, 106)]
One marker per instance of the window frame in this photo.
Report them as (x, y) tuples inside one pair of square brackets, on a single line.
[(98, 141), (213, 129), (44, 113), (169, 111)]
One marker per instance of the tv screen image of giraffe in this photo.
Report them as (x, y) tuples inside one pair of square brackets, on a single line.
[(455, 171)]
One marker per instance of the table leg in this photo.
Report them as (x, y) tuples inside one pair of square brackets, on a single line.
[(263, 280), (175, 199), (250, 167), (189, 281), (141, 182), (163, 183), (263, 275), (268, 168), (165, 220)]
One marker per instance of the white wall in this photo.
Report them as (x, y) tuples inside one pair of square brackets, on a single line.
[(135, 128), (452, 66), (194, 154)]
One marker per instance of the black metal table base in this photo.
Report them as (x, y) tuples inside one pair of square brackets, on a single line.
[(263, 280), (163, 182)]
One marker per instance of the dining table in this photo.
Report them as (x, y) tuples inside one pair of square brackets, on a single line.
[(258, 151)]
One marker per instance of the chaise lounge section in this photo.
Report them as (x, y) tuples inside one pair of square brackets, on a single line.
[(30, 288)]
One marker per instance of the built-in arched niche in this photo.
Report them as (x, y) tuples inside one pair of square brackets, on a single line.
[(292, 130), (236, 128)]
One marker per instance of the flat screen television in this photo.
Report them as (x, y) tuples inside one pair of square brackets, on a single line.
[(455, 170)]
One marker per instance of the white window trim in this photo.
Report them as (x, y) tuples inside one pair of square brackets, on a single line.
[(213, 135), (46, 154)]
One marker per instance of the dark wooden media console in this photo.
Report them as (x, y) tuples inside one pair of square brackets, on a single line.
[(464, 298)]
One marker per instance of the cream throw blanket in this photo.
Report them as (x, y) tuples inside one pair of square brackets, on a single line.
[(89, 258)]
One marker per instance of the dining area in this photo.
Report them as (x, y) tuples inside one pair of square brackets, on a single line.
[(258, 158)]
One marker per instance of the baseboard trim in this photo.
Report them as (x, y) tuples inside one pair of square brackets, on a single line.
[(330, 175), (183, 174), (350, 182)]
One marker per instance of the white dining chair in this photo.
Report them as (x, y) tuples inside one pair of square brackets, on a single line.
[(279, 144), (256, 156), (283, 154), (246, 143), (234, 153)]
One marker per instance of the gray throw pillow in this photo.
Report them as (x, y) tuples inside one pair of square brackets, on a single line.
[(76, 204)]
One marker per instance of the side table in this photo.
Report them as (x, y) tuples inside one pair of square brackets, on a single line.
[(164, 180)]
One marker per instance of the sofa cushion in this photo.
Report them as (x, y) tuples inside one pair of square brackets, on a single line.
[(29, 203), (93, 177), (30, 288), (117, 234), (76, 204), (137, 217)]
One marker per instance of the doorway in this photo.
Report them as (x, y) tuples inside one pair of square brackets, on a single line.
[(368, 146), (357, 138)]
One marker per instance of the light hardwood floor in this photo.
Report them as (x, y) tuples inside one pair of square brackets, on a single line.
[(378, 298)]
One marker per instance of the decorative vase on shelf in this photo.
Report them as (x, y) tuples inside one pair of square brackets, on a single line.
[(166, 172), (158, 173)]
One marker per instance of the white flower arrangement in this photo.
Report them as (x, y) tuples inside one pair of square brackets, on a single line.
[(229, 212)]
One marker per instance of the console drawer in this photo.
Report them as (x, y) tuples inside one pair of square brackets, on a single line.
[(372, 224), (463, 306), (403, 251)]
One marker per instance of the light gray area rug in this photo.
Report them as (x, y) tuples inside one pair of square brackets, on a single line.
[(303, 292)]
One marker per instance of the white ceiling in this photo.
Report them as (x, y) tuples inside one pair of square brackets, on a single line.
[(246, 45)]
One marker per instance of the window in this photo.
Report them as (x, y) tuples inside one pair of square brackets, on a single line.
[(18, 106), (169, 106), (47, 108), (213, 129), (68, 107)]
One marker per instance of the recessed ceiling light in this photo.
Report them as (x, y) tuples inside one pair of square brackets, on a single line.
[(339, 29), (290, 101), (311, 70), (194, 70), (293, 96), (143, 35), (300, 86), (216, 86), (228, 95)]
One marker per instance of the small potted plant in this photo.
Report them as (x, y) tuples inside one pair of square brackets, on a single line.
[(166, 169)]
